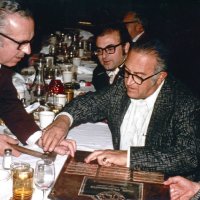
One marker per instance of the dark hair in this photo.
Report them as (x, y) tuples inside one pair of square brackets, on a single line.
[(102, 30), (154, 47), (10, 7)]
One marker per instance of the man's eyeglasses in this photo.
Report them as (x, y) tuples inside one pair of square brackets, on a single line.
[(131, 22), (110, 49), (21, 45), (137, 79)]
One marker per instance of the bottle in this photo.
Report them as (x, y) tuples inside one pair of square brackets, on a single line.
[(7, 158), (40, 87)]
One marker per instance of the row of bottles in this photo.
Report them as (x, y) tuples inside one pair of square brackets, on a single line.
[(63, 47)]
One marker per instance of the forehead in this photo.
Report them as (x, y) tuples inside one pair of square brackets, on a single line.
[(141, 62), (19, 24), (107, 39), (129, 17)]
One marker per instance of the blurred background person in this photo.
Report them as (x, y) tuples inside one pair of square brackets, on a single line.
[(136, 25)]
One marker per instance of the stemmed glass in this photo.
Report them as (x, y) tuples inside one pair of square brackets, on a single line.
[(29, 81), (44, 175)]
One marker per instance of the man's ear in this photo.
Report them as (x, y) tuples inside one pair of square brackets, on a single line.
[(139, 28), (126, 47), (162, 76)]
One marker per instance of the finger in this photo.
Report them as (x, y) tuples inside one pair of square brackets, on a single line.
[(102, 160), (56, 141), (9, 139), (70, 146), (15, 153), (60, 150), (174, 194), (73, 142), (93, 156), (49, 140)]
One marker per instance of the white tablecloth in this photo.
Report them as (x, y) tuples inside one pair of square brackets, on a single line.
[(88, 137)]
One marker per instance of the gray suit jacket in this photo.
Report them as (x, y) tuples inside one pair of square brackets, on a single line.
[(173, 136)]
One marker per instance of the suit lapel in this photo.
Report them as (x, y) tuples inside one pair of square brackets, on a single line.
[(162, 109)]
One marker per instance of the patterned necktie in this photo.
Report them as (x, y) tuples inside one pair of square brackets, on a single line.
[(112, 75)]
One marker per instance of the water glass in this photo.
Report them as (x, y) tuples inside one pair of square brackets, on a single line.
[(44, 175)]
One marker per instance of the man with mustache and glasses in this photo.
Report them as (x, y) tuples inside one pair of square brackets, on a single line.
[(112, 45), (16, 34), (153, 118)]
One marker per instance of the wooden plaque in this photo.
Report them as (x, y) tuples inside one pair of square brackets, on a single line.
[(80, 181)]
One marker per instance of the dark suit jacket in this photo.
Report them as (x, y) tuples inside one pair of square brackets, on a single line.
[(11, 109), (100, 78), (173, 136)]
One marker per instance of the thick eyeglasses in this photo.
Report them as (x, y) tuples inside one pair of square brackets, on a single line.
[(110, 49), (137, 79), (131, 22), (21, 45)]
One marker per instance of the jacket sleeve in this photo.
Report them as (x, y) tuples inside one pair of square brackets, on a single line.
[(13, 113), (92, 107)]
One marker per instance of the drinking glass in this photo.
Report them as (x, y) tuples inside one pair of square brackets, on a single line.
[(22, 181), (44, 175)]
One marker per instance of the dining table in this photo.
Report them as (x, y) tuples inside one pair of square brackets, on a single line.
[(89, 137)]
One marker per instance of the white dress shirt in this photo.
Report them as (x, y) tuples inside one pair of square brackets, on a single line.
[(137, 37), (136, 121)]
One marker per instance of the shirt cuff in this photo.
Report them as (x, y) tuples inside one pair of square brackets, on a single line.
[(68, 115), (34, 138), (128, 157)]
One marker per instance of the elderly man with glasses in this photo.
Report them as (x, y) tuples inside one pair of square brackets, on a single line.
[(16, 34), (112, 45), (153, 118)]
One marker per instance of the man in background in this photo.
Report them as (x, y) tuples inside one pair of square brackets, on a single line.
[(112, 45), (136, 26), (16, 34)]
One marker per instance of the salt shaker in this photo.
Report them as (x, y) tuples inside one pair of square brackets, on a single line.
[(7, 158)]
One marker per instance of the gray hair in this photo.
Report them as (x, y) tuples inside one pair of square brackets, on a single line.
[(156, 48), (8, 7)]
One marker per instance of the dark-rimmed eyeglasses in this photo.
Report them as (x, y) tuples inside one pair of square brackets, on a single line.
[(21, 45), (131, 22), (137, 79), (110, 49)]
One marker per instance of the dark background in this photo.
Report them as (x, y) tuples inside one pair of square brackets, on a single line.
[(175, 22)]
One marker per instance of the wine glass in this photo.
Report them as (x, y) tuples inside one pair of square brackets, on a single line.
[(44, 175)]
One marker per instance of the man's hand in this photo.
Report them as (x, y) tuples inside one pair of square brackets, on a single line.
[(4, 144), (181, 188), (108, 157), (66, 147), (54, 133)]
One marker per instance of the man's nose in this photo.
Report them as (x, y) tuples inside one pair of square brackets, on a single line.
[(130, 80), (104, 54), (26, 49)]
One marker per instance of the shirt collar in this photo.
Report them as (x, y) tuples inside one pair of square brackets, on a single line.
[(137, 37), (150, 100)]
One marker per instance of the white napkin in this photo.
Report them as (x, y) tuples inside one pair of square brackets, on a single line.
[(32, 107), (85, 70)]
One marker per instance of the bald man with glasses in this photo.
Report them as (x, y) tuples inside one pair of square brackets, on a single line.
[(153, 118), (136, 24), (16, 34)]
